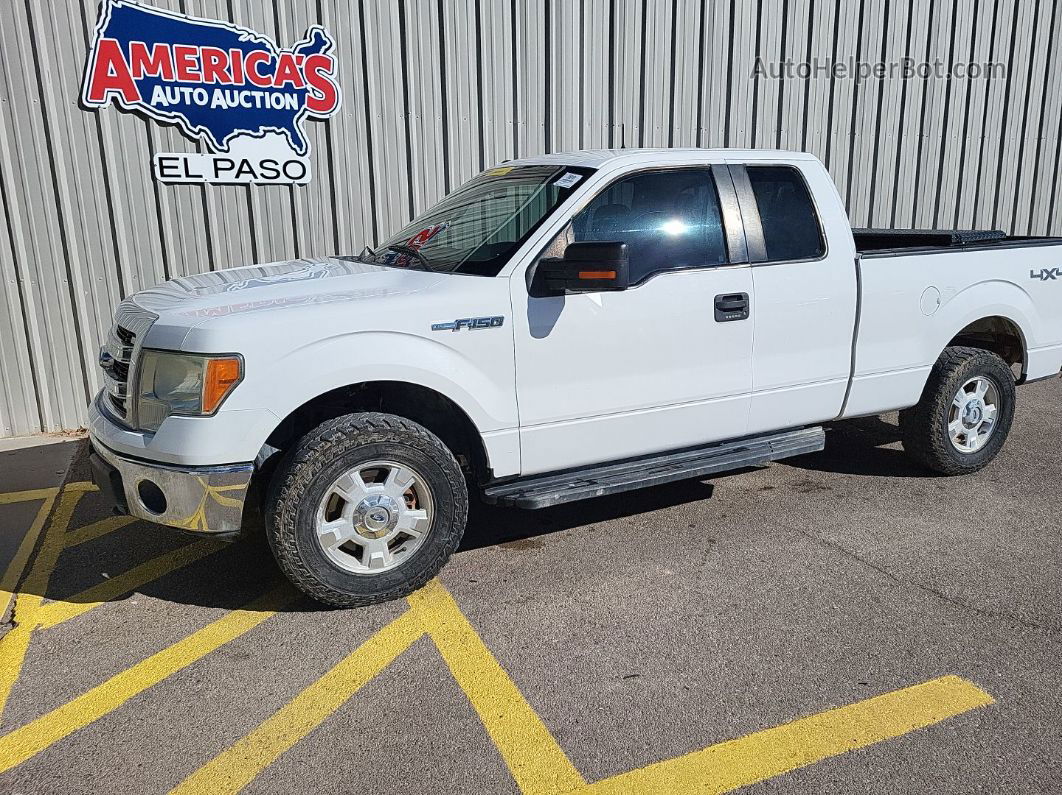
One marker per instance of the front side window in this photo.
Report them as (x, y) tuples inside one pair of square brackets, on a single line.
[(791, 229), (670, 220), (477, 228)]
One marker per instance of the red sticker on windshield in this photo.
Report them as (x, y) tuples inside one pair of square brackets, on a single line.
[(424, 235)]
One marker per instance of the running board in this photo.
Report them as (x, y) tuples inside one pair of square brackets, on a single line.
[(542, 491)]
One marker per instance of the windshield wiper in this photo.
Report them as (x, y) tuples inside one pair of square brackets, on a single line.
[(410, 251), (364, 256)]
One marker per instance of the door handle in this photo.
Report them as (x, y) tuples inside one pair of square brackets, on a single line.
[(731, 306)]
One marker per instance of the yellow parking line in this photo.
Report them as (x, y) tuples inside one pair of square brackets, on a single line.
[(535, 759), (533, 756), (40, 494), (237, 766), (27, 741), (27, 496), (90, 532), (81, 485), (772, 752), (25, 548), (28, 602), (57, 612)]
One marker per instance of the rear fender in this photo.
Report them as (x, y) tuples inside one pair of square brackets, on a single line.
[(984, 300)]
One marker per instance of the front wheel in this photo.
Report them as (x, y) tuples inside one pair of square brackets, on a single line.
[(965, 412), (366, 508)]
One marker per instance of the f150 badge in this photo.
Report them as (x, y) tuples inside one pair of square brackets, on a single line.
[(470, 323), (1046, 274)]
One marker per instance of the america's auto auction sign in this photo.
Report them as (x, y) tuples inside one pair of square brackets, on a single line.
[(235, 90)]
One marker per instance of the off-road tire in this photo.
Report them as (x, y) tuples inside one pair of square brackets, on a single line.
[(322, 455), (924, 427)]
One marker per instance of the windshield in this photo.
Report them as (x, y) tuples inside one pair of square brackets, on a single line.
[(478, 227)]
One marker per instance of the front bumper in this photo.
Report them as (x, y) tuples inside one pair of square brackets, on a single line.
[(206, 500)]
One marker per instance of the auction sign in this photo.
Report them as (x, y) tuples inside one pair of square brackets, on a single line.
[(235, 90)]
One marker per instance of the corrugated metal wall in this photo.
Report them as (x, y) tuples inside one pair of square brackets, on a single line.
[(435, 90)]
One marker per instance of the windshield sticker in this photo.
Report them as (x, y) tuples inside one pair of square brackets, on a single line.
[(424, 235), (569, 179), (498, 172)]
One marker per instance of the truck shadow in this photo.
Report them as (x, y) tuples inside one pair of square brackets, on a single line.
[(232, 575), (865, 446), (489, 525)]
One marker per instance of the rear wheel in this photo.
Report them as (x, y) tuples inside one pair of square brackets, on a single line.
[(366, 508), (965, 412)]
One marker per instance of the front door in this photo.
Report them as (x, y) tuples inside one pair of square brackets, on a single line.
[(611, 375)]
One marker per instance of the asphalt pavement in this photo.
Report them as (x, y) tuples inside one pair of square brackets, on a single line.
[(902, 630)]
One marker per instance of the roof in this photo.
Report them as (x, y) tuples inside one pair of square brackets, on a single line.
[(596, 158)]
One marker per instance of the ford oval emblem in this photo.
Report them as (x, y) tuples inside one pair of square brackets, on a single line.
[(106, 359)]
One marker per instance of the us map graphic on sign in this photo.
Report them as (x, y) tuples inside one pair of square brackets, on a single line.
[(235, 90)]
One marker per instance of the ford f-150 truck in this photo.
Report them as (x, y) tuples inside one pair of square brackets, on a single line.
[(560, 327)]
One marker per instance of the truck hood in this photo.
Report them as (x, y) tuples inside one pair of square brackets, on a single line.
[(192, 300)]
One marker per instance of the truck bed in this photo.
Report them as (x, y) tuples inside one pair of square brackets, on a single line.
[(914, 301), (891, 241)]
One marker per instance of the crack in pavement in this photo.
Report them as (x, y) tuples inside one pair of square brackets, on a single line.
[(1049, 629)]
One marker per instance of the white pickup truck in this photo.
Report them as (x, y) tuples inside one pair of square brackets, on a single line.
[(560, 327)]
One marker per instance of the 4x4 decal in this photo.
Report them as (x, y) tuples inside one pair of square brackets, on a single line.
[(1046, 274)]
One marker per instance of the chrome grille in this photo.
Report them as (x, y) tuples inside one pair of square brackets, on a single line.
[(118, 357), (115, 359)]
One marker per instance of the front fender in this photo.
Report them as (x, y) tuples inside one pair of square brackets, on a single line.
[(475, 371), (484, 390)]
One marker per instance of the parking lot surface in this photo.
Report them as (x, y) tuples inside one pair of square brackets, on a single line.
[(839, 622)]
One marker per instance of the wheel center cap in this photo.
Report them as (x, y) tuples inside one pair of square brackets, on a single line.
[(973, 414), (376, 516)]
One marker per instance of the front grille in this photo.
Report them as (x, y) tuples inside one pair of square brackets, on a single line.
[(118, 358), (115, 359)]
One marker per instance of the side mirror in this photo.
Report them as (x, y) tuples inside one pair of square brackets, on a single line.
[(589, 267)]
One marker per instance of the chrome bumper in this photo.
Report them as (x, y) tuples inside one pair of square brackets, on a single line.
[(207, 500)]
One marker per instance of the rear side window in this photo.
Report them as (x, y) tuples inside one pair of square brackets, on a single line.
[(791, 228), (670, 220)]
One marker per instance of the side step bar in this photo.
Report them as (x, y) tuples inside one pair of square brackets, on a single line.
[(542, 491)]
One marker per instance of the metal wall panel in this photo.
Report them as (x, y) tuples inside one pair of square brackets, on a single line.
[(435, 90)]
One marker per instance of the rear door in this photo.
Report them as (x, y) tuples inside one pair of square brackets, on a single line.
[(804, 279), (611, 375)]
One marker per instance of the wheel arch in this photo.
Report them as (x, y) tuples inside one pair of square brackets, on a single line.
[(424, 405), (994, 315), (999, 334)]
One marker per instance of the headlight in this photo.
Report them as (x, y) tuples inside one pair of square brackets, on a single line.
[(186, 384)]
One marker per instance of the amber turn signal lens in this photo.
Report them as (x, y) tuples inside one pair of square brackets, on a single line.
[(597, 274), (221, 376)]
